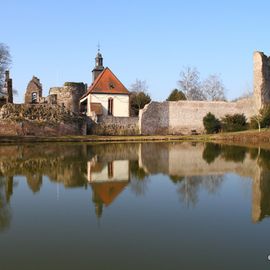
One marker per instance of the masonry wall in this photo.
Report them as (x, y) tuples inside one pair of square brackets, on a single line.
[(39, 120), (181, 117), (69, 95), (29, 128), (110, 125), (261, 74)]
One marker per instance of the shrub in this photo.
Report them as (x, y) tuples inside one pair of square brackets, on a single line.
[(211, 123), (234, 122), (253, 122), (265, 116), (176, 95)]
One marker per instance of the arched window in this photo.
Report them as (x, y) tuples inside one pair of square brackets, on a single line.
[(110, 106), (34, 97)]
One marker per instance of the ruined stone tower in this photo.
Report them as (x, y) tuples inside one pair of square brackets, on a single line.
[(33, 92), (8, 89), (261, 76)]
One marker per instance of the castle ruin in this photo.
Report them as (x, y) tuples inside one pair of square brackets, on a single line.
[(67, 96), (157, 118), (261, 76)]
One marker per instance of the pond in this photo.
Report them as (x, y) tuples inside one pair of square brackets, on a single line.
[(134, 206)]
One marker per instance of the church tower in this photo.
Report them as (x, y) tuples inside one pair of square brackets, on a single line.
[(98, 66)]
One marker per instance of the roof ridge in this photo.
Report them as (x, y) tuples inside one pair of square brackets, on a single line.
[(121, 89)]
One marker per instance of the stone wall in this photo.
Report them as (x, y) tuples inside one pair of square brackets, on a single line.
[(33, 128), (110, 125), (69, 95), (39, 120), (33, 92), (261, 74), (181, 117)]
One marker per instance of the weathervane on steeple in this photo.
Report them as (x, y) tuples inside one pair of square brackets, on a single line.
[(98, 47)]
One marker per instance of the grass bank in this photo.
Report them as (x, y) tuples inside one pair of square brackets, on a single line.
[(244, 137)]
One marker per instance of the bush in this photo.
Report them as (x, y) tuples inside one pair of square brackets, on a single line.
[(235, 122), (253, 122), (265, 117), (211, 124), (176, 95)]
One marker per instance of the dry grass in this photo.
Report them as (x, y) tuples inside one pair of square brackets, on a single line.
[(249, 137)]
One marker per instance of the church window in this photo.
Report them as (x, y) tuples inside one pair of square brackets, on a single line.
[(110, 106)]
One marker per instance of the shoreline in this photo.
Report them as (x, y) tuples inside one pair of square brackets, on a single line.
[(249, 137)]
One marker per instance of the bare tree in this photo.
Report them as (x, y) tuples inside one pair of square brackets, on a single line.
[(139, 96), (247, 93), (213, 88), (5, 61), (190, 84), (139, 86)]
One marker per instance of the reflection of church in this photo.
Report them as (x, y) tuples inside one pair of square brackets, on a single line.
[(107, 181)]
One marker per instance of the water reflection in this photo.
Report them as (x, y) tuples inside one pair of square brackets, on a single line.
[(109, 169)]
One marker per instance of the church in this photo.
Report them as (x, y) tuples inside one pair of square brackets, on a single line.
[(106, 95)]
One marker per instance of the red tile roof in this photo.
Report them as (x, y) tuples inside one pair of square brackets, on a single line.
[(106, 83)]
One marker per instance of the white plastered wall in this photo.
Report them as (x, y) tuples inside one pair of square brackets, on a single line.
[(120, 103)]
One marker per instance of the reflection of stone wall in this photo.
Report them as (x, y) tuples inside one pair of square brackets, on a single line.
[(114, 151), (261, 190), (59, 162), (185, 159), (181, 117)]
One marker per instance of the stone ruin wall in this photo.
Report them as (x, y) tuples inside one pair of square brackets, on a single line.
[(181, 117), (261, 75), (69, 95), (34, 86), (39, 120)]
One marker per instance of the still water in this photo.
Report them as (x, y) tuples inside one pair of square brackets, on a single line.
[(134, 206)]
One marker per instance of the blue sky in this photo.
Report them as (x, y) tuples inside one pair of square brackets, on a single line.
[(149, 40)]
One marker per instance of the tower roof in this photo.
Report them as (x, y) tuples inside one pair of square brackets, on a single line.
[(106, 83)]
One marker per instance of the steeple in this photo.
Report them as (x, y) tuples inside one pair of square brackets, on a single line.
[(98, 65)]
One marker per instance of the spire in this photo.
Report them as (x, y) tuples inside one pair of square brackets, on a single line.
[(98, 64)]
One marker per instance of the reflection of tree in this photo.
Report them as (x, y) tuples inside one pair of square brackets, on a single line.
[(234, 153), (176, 178), (211, 152), (5, 215), (139, 178), (254, 153), (189, 187), (227, 152), (136, 171), (188, 190), (212, 183)]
